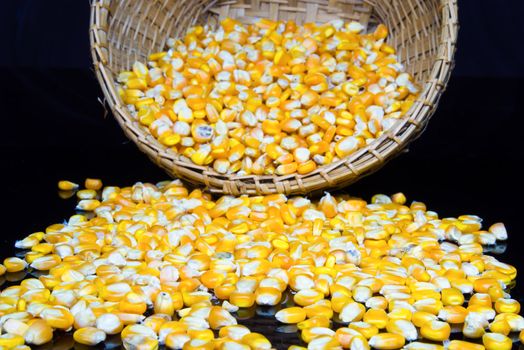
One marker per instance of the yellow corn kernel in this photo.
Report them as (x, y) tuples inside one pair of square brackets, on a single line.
[(474, 325), (399, 198), (156, 321), (345, 337), (65, 185), (89, 336), (11, 340), (346, 146), (317, 309), (515, 321), (487, 312), (453, 314), (141, 342), (271, 127), (423, 346), (500, 326), (43, 248), (481, 285), (404, 328), (171, 327), (350, 89), (191, 298), (242, 299), (212, 279), (366, 329), (169, 139), (387, 341), (286, 169), (464, 345), (129, 303), (236, 332), (296, 347), (202, 334), (339, 300), (267, 296), (306, 167), (137, 329), (291, 315), (480, 299), (109, 323), (224, 291), (381, 32), (219, 317), (307, 297), (452, 296), (495, 292), (164, 304), (86, 194), (15, 326), (93, 184), (256, 341), (376, 317), (400, 313), (435, 330), (352, 312), (14, 264), (38, 333), (46, 262), (176, 340), (315, 321), (507, 306), (309, 334), (328, 205), (88, 204), (496, 341), (429, 305), (58, 317)]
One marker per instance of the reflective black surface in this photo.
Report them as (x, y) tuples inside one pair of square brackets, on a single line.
[(53, 126)]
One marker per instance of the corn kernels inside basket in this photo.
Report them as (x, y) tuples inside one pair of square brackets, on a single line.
[(271, 97), (347, 273)]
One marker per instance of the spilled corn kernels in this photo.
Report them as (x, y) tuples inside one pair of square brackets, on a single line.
[(270, 97), (348, 273)]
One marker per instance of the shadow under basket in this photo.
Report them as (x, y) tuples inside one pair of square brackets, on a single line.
[(424, 33)]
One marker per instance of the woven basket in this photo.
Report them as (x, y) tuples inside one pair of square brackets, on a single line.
[(424, 32)]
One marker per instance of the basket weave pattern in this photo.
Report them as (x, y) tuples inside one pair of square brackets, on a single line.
[(424, 33)]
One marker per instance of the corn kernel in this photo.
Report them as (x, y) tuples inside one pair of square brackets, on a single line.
[(256, 341), (464, 345), (93, 184), (497, 341), (291, 315), (89, 336), (38, 333), (65, 185), (387, 341), (404, 328), (435, 330)]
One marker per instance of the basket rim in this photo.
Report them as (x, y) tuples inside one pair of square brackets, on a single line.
[(344, 171)]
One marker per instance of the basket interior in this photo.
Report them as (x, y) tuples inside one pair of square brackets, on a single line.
[(422, 31), (138, 28)]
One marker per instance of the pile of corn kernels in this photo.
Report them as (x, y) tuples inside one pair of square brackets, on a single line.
[(272, 97), (394, 275)]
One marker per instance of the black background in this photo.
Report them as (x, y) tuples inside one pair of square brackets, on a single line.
[(53, 126)]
